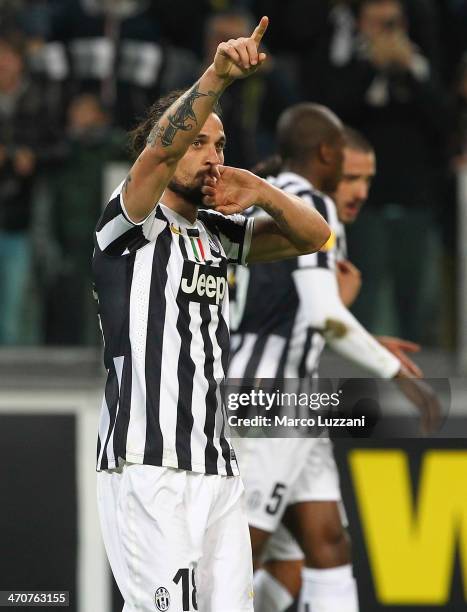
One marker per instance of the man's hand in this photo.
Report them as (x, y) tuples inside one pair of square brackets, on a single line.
[(424, 399), (176, 130), (380, 51), (349, 280), (391, 49), (291, 226), (399, 348), (402, 50), (230, 190), (237, 59)]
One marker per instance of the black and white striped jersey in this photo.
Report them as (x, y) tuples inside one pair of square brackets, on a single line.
[(271, 336), (164, 310)]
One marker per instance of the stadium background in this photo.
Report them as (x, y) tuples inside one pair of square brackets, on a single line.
[(72, 79)]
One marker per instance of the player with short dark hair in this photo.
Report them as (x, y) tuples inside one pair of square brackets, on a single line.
[(170, 502), (284, 314)]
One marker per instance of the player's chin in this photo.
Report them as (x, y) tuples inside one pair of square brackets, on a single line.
[(351, 214)]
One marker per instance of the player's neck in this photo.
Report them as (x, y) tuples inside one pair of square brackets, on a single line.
[(307, 171), (178, 204)]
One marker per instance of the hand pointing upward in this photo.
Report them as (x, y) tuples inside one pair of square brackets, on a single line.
[(238, 58)]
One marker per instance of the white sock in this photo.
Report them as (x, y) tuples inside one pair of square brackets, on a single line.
[(328, 590), (270, 595)]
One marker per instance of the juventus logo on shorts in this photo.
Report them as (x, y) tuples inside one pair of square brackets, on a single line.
[(162, 599)]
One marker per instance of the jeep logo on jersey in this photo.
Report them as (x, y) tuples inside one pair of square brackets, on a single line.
[(203, 284), (162, 599)]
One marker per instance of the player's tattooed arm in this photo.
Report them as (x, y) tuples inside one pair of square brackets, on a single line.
[(166, 144), (291, 227), (126, 183), (155, 135), (180, 124), (183, 118), (278, 215)]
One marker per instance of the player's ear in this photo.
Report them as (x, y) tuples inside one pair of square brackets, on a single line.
[(325, 153)]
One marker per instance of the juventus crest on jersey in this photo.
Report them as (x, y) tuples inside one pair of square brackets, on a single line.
[(164, 310), (272, 337)]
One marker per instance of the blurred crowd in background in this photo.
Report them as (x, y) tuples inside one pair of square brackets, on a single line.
[(75, 75)]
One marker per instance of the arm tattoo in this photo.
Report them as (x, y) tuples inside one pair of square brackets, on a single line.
[(278, 215), (126, 183), (155, 134), (183, 118)]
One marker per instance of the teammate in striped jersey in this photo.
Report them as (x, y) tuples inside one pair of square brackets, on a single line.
[(284, 316), (170, 502)]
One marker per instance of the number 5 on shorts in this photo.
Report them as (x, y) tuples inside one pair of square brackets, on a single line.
[(183, 574), (276, 498)]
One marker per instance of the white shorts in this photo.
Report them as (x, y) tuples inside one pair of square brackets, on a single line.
[(177, 541), (278, 472)]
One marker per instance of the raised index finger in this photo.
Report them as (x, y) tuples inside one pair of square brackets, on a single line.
[(260, 29)]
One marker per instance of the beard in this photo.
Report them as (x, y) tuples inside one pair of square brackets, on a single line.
[(191, 193)]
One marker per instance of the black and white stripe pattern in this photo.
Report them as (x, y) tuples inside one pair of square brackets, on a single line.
[(272, 338), (163, 307)]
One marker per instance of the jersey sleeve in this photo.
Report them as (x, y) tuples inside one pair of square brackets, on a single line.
[(320, 302), (234, 232), (116, 234), (327, 256)]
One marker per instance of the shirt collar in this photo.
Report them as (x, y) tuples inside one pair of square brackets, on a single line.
[(179, 219), (287, 175)]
